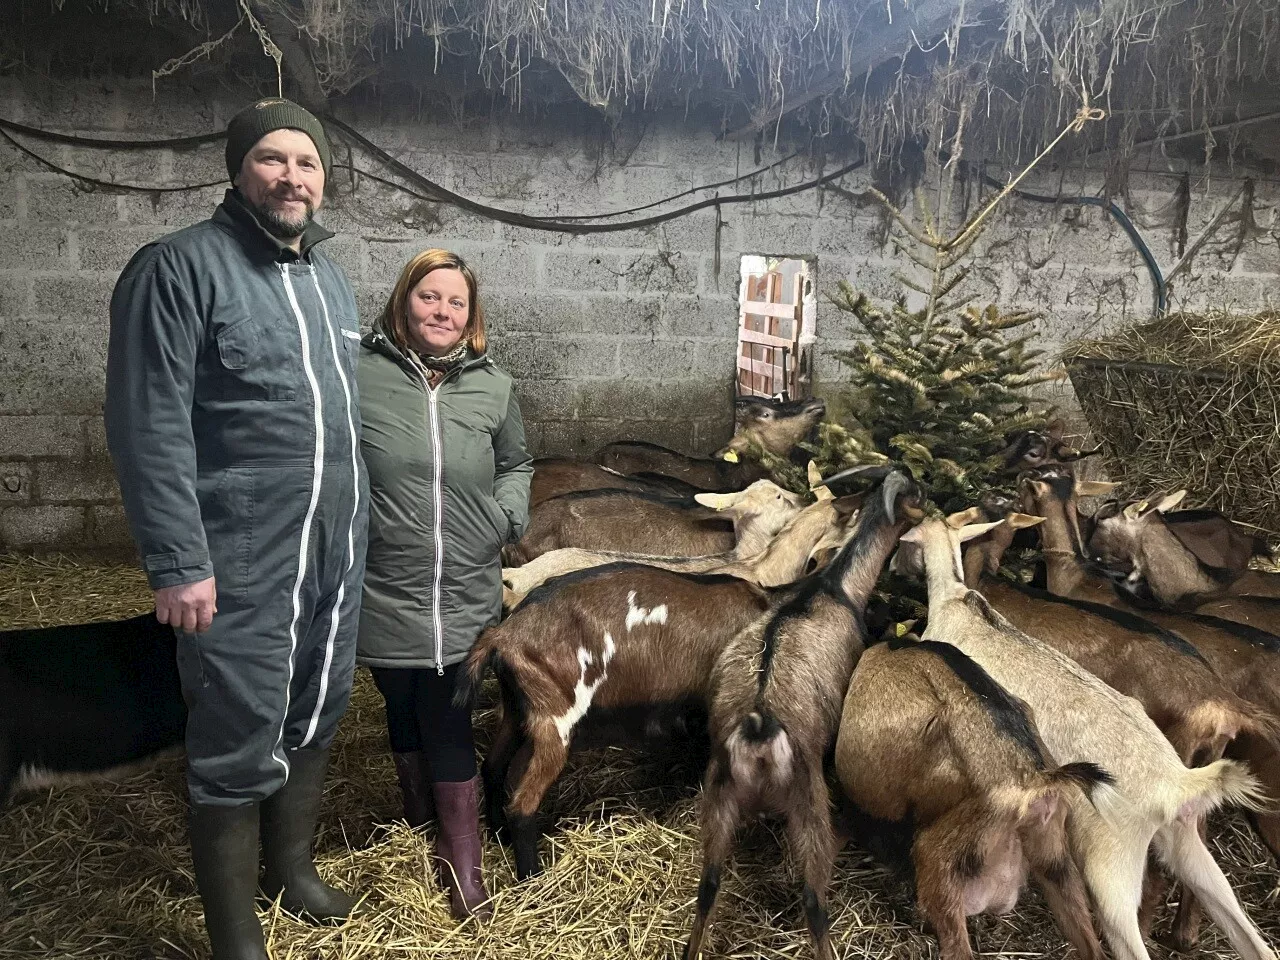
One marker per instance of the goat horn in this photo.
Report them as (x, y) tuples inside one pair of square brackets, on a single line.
[(1070, 454), (867, 471), (894, 484)]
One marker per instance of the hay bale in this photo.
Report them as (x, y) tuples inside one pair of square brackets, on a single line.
[(1190, 400)]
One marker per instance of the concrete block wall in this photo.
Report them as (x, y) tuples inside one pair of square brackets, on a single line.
[(610, 335)]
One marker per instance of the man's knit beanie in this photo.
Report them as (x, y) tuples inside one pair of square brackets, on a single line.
[(257, 120)]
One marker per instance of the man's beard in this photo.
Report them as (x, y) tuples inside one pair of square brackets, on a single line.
[(281, 225)]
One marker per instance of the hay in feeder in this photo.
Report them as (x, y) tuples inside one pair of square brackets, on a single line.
[(1190, 400), (102, 870)]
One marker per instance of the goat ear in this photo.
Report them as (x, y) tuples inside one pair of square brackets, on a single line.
[(914, 535), (716, 501), (958, 520), (1021, 521), (1135, 510), (971, 530), (820, 490), (1167, 503), (1094, 488)]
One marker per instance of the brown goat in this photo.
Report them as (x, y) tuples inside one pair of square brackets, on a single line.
[(775, 710), (1180, 562), (933, 750), (641, 523), (773, 425), (623, 643), (556, 476)]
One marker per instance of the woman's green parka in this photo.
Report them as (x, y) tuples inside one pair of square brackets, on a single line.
[(449, 483)]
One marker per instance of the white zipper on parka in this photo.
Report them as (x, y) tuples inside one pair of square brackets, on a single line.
[(437, 504)]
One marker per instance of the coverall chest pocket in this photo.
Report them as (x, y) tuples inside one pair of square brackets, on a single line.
[(259, 359)]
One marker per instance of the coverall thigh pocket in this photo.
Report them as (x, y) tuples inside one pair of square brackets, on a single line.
[(229, 528)]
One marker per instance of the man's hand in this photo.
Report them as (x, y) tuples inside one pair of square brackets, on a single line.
[(188, 606)]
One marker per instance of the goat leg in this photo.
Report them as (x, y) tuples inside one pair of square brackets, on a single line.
[(935, 855), (1062, 884), (494, 773), (810, 837), (719, 821), (547, 755)]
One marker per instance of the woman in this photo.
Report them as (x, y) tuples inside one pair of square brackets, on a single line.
[(448, 488)]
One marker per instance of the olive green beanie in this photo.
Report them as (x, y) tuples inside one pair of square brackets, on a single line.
[(258, 119)]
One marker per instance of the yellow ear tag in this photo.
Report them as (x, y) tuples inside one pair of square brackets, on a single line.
[(731, 456), (899, 629)]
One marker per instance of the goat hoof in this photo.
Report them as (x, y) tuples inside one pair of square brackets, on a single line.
[(1176, 944)]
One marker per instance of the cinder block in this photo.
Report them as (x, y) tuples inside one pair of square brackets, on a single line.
[(716, 359), (1255, 257), (701, 316), (504, 177), (108, 251), (618, 399), (575, 358), (778, 236), (660, 273), (60, 200), (348, 253), (658, 359), (23, 437), (95, 439), (582, 438), (15, 294), (142, 168), (582, 271), (696, 232), (9, 198), (532, 313), (49, 366), (180, 209), (542, 400), (108, 527), (727, 281), (516, 355), (13, 161), (204, 164), (80, 480), (15, 482), (630, 315), (846, 231), (33, 248), (41, 526), (83, 298)]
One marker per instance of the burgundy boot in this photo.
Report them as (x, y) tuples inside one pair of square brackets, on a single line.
[(415, 788), (458, 849)]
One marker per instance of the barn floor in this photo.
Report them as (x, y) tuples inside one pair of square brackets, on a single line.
[(102, 870)]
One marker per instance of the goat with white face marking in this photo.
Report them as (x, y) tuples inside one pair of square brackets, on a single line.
[(933, 751), (623, 639), (1080, 718), (641, 522), (1182, 560), (804, 544), (778, 691)]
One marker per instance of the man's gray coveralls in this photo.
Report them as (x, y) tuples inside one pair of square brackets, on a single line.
[(233, 423)]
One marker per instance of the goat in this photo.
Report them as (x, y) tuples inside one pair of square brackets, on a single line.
[(773, 425), (1184, 563), (647, 523), (775, 708), (1154, 797), (554, 476), (86, 700), (1035, 448), (807, 538), (1245, 658), (934, 751)]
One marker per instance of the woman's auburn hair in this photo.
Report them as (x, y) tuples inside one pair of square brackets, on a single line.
[(395, 315)]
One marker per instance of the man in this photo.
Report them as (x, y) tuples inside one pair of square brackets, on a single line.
[(232, 421)]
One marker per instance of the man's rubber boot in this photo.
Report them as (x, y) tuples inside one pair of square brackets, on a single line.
[(415, 788), (288, 828), (458, 849), (224, 853)]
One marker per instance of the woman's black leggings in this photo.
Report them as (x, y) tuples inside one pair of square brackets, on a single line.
[(421, 716)]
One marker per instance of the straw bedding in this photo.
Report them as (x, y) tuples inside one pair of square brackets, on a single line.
[(102, 871)]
